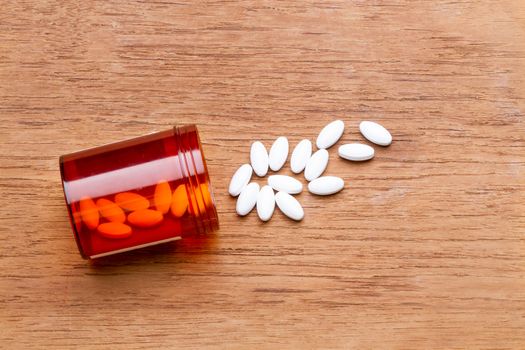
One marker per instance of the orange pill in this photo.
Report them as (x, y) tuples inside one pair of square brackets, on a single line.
[(89, 212), (179, 202), (197, 203), (162, 197), (145, 218), (110, 210), (131, 201), (206, 194), (114, 230)]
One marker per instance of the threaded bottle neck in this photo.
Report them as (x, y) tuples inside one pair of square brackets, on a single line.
[(193, 167)]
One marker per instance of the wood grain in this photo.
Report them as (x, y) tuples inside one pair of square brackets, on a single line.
[(425, 247)]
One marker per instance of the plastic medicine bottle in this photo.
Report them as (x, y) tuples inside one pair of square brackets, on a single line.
[(139, 192)]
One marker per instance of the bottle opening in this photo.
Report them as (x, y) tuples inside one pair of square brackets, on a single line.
[(194, 168)]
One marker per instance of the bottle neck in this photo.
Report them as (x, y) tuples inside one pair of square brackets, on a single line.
[(193, 167)]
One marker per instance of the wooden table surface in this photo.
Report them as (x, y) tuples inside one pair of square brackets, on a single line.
[(424, 248)]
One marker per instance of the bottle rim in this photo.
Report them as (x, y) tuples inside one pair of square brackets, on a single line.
[(201, 204)]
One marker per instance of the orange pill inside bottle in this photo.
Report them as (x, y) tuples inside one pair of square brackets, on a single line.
[(139, 192)]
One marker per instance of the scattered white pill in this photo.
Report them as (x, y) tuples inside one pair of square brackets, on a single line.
[(289, 206), (265, 203), (278, 153), (300, 155), (240, 179), (259, 158), (316, 165), (375, 133), (247, 199), (326, 185), (356, 152), (302, 159), (285, 183), (330, 134)]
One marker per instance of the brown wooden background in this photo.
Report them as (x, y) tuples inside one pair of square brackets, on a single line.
[(425, 247)]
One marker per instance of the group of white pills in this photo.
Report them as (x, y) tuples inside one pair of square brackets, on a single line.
[(250, 194)]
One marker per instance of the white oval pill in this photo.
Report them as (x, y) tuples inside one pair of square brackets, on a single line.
[(289, 206), (326, 185), (265, 203), (330, 134), (259, 158), (247, 199), (240, 179), (316, 165), (285, 183), (300, 155), (278, 153), (375, 133), (356, 152)]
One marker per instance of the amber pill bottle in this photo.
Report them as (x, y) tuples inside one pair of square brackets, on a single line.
[(139, 192)]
